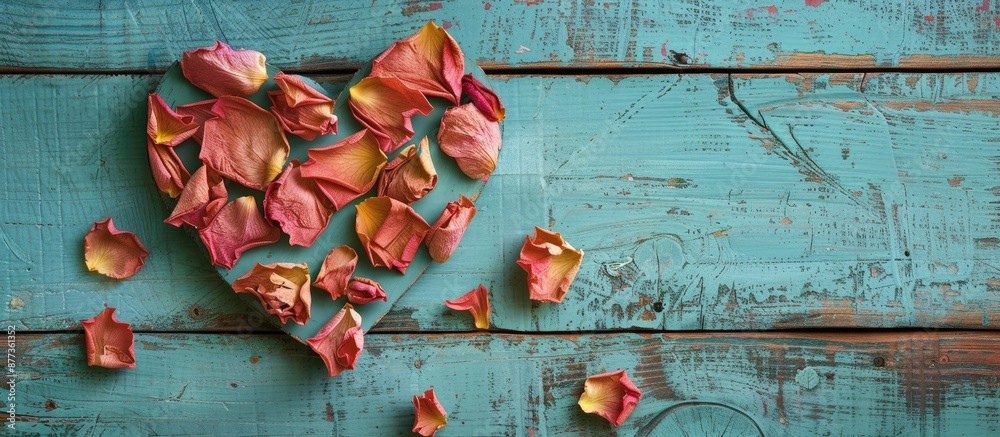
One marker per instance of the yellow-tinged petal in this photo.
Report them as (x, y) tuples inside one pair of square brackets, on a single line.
[(166, 127), (610, 395), (244, 143), (110, 343), (168, 171), (390, 232), (340, 342), (199, 112), (346, 169), (113, 253), (551, 264), (410, 175), (428, 61), (335, 274), (476, 302), (385, 105), (283, 289), (222, 71), (430, 415), (472, 139)]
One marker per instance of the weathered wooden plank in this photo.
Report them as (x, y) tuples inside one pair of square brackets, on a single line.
[(311, 35), (695, 212), (901, 383)]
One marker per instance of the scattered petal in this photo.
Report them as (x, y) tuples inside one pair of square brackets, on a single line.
[(165, 126), (472, 139), (551, 264), (444, 235), (390, 232), (335, 274), (301, 109), (200, 113), (610, 395), (168, 171), (340, 342), (476, 302), (428, 61), (110, 343), (244, 143), (346, 169), (363, 290), (410, 175), (484, 99), (237, 227), (430, 415), (222, 71), (283, 289), (298, 206), (385, 106), (113, 253), (203, 196)]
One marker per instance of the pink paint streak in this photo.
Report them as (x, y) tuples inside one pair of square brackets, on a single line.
[(487, 6), (928, 18), (997, 21), (434, 6), (445, 24), (985, 7), (663, 49), (815, 3), (749, 13), (771, 10)]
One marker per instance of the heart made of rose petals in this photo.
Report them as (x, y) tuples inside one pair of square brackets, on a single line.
[(176, 90)]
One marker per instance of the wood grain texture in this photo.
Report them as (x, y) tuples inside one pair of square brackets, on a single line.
[(316, 35), (702, 202), (902, 383)]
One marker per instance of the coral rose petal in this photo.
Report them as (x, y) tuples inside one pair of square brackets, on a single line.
[(300, 109), (298, 206), (429, 61), (472, 139), (113, 253), (390, 232), (430, 415), (610, 395), (551, 264), (410, 175), (166, 127), (244, 143), (203, 196), (283, 289), (340, 342), (110, 343), (168, 171), (346, 169), (335, 274), (444, 235), (222, 71), (200, 112), (476, 302), (363, 290), (236, 228), (385, 105), (483, 98)]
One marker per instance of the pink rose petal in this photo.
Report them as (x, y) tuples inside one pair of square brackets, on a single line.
[(472, 139), (244, 143), (390, 232), (236, 228), (610, 395), (385, 106), (430, 415), (203, 196), (300, 109), (551, 264), (428, 61), (110, 343), (166, 127), (113, 253), (335, 274), (283, 290), (340, 342), (444, 235), (298, 206), (222, 71), (476, 302)]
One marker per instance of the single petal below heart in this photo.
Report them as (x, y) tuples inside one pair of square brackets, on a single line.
[(340, 342), (110, 343)]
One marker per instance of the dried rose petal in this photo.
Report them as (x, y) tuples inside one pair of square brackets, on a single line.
[(484, 99), (203, 196), (298, 206), (476, 302), (340, 342), (410, 175), (113, 253), (444, 235), (165, 126), (222, 71), (237, 227), (346, 169), (390, 232), (335, 274), (610, 395), (385, 106), (363, 290), (300, 109), (283, 289), (551, 264), (244, 143), (472, 139), (110, 343), (428, 61), (200, 112), (168, 171), (430, 415)]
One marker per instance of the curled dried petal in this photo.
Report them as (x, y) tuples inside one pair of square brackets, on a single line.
[(301, 109), (363, 290), (222, 71), (484, 99), (113, 253), (430, 415), (283, 289), (335, 274), (340, 341), (410, 175), (110, 343), (472, 139), (551, 264), (168, 171), (428, 61), (244, 143), (166, 127), (385, 105), (444, 235), (390, 232), (476, 302), (298, 206), (203, 196), (346, 169), (610, 395), (236, 228), (200, 112)]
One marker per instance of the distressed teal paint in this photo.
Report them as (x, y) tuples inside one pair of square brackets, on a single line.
[(147, 35)]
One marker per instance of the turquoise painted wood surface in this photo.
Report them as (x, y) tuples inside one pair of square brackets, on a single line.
[(314, 34)]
